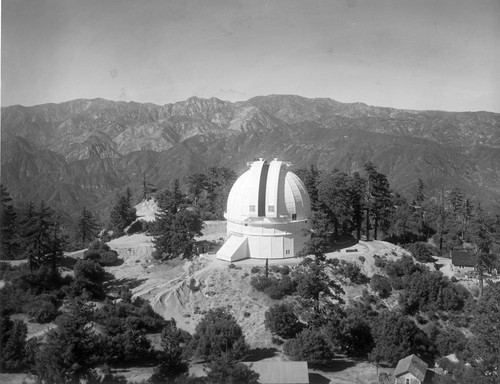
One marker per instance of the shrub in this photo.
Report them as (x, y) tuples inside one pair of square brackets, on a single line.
[(218, 333), (135, 227), (101, 252), (362, 259), (285, 270), (282, 321), (311, 346), (193, 286), (420, 251), (381, 285), (116, 318), (379, 262), (89, 270), (273, 287), (42, 311), (255, 269), (352, 272)]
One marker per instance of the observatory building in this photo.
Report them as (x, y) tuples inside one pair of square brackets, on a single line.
[(267, 212)]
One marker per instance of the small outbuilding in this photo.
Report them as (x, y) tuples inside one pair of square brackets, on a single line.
[(281, 372), (463, 260), (413, 370)]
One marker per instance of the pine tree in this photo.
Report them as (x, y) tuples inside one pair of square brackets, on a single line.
[(122, 214), (69, 354), (12, 344), (148, 188), (171, 362), (8, 247), (40, 237), (378, 198), (86, 227)]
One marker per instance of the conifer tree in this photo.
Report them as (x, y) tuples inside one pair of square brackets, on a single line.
[(69, 354), (122, 214), (8, 246), (40, 236), (86, 227), (171, 362), (12, 344), (378, 199), (148, 188)]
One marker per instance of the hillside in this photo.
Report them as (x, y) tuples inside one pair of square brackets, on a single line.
[(83, 152)]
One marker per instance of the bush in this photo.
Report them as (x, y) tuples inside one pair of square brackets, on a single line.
[(282, 321), (255, 269), (380, 262), (311, 346), (89, 270), (352, 272), (273, 287), (135, 227), (218, 333), (101, 252), (381, 285), (285, 270), (421, 252), (42, 311), (116, 318)]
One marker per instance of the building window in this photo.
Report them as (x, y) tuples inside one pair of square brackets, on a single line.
[(252, 208), (270, 208), (407, 381), (287, 252), (294, 216)]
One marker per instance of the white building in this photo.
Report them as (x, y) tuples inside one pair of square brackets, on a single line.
[(267, 214)]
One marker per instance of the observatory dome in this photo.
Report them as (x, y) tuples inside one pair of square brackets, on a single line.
[(267, 211)]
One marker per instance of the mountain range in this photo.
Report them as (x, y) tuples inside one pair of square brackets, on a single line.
[(84, 152)]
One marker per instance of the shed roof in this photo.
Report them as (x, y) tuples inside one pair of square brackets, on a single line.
[(281, 372), (411, 364), (463, 258)]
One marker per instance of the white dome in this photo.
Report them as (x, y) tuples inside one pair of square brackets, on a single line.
[(268, 191)]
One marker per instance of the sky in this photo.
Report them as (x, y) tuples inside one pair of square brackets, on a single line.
[(411, 54)]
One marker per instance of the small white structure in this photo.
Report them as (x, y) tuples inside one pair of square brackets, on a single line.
[(267, 214)]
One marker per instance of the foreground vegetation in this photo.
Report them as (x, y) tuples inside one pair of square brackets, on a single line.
[(404, 308)]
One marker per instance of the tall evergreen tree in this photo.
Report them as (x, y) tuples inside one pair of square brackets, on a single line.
[(8, 222), (334, 192), (356, 192), (69, 354), (311, 177), (175, 226), (122, 214), (40, 236), (86, 227), (379, 199), (148, 189), (171, 362)]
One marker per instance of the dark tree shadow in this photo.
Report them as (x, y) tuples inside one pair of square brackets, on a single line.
[(258, 354), (344, 242), (337, 365), (67, 262), (316, 378), (130, 283)]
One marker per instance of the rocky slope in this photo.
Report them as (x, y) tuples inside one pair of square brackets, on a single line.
[(83, 152)]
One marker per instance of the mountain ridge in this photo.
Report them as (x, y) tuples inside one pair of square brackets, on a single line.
[(92, 149)]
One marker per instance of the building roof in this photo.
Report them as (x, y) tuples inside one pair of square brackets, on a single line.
[(268, 190), (281, 372), (463, 258), (411, 364)]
